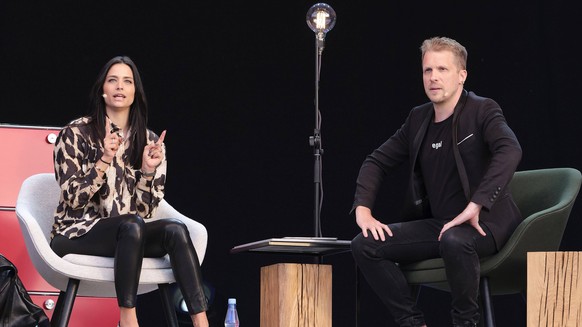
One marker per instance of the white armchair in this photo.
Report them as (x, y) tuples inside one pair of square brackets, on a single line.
[(76, 274)]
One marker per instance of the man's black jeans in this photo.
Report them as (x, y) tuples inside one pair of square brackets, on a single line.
[(460, 247)]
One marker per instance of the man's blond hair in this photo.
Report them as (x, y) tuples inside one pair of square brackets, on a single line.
[(444, 43)]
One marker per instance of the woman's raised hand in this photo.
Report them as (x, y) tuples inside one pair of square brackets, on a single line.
[(111, 142), (153, 155)]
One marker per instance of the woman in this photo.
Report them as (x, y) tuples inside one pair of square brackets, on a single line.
[(112, 172)]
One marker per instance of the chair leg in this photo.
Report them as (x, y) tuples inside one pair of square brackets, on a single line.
[(358, 291), (170, 311), (489, 317), (65, 302), (58, 308)]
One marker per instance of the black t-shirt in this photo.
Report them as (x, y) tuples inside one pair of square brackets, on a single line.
[(439, 169)]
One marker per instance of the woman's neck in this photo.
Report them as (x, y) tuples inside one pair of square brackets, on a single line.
[(119, 118)]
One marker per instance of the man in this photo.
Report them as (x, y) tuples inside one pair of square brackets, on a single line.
[(462, 156)]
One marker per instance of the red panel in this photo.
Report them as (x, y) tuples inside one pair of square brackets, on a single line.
[(25, 151)]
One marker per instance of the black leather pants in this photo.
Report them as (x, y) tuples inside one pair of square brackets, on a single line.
[(129, 239)]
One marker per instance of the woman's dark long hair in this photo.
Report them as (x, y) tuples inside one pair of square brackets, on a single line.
[(138, 111)]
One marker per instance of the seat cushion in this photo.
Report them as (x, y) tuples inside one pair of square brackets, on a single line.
[(107, 262), (429, 264)]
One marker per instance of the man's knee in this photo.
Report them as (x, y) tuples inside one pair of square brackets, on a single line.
[(455, 241), (357, 245), (356, 242)]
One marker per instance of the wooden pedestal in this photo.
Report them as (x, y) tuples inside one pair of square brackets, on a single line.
[(296, 295), (554, 289)]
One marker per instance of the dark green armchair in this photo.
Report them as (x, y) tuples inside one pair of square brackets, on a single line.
[(545, 198)]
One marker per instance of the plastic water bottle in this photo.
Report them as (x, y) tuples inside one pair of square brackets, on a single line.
[(231, 319)]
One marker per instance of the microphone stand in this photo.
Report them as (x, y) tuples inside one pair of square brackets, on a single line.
[(315, 140)]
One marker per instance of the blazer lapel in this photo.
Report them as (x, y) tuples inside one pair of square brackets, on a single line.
[(460, 166)]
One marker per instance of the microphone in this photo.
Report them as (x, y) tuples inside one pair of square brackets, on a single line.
[(104, 95)]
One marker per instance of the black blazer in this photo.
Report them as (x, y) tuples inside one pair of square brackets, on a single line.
[(487, 154)]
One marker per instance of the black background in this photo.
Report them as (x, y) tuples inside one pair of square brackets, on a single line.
[(233, 84)]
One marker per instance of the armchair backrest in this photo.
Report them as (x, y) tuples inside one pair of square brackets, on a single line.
[(545, 198), (39, 196), (544, 188)]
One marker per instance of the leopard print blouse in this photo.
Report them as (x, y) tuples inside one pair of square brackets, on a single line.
[(87, 198)]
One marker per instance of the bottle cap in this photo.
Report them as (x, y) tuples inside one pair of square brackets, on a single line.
[(231, 301)]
